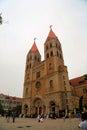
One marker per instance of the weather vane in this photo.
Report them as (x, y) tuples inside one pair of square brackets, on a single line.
[(51, 26)]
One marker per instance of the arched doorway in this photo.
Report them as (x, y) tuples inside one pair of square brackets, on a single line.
[(52, 107), (26, 108), (39, 107)]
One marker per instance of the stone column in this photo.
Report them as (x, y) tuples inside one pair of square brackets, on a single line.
[(47, 109)]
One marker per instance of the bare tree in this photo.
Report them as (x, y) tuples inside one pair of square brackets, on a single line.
[(0, 19)]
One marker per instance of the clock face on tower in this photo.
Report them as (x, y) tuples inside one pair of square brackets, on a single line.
[(38, 84)]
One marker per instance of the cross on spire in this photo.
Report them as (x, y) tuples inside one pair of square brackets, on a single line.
[(51, 26), (34, 39), (51, 33)]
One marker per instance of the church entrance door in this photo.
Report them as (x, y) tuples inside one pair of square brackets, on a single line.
[(38, 106)]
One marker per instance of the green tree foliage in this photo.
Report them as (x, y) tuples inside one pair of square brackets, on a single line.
[(1, 108), (18, 109), (85, 76)]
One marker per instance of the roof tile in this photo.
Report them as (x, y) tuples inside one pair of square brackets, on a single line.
[(77, 81), (52, 34), (34, 48)]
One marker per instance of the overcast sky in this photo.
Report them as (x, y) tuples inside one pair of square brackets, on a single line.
[(23, 20)]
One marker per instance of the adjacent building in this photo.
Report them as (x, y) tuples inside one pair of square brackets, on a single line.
[(9, 102), (79, 89)]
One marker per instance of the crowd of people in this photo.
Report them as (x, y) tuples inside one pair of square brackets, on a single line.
[(81, 116)]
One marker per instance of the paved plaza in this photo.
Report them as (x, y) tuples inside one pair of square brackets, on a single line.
[(33, 124)]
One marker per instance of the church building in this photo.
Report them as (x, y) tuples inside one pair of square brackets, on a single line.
[(46, 83)]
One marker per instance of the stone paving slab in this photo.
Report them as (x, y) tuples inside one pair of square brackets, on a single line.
[(33, 124)]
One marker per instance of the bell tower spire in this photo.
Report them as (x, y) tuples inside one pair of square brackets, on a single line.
[(52, 47), (33, 56)]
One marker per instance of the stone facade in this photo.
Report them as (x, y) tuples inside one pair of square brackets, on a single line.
[(46, 84)]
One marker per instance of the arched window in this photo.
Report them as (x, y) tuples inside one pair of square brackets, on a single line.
[(47, 47), (51, 53), (26, 108), (35, 58), (27, 67), (50, 45), (64, 83), (59, 47), (38, 74), (30, 57), (56, 45), (38, 59), (57, 53), (30, 65), (28, 76), (51, 83), (63, 77), (47, 55), (52, 105), (60, 56), (50, 66), (26, 91)]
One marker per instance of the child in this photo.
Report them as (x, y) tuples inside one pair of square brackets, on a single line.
[(83, 123), (40, 119)]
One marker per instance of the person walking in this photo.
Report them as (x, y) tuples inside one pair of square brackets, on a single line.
[(14, 116), (64, 115), (8, 116), (79, 115), (83, 123)]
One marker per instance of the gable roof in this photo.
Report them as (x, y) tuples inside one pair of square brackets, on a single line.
[(78, 81), (52, 34), (34, 48)]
